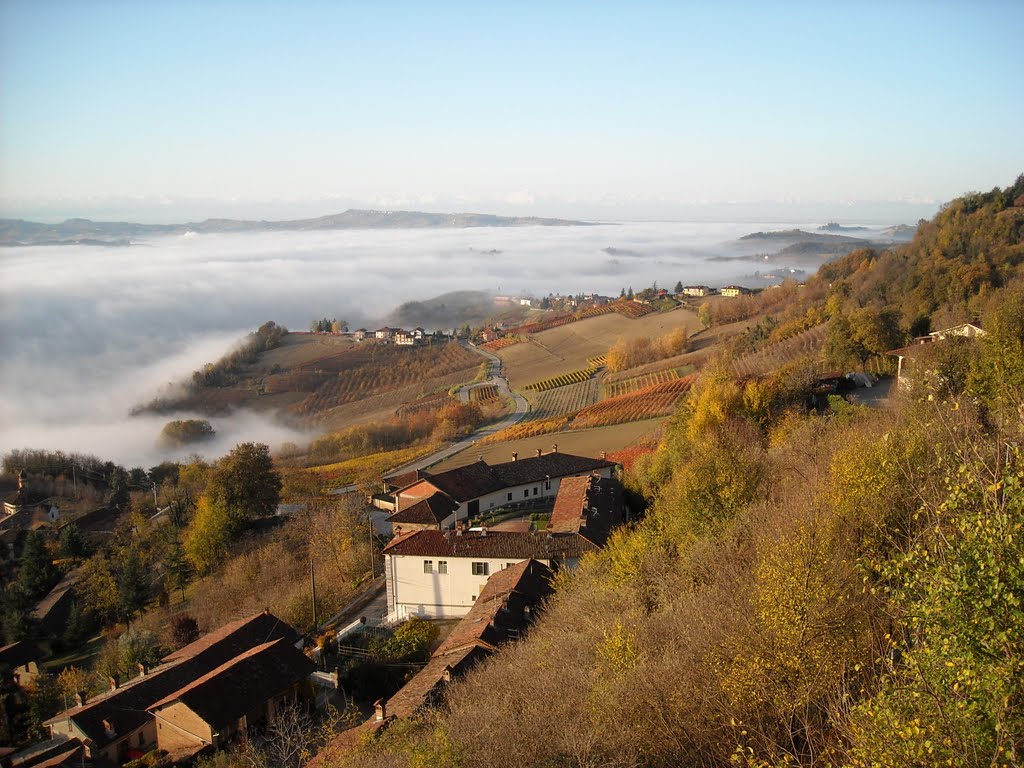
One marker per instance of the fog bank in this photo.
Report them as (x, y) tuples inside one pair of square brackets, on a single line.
[(88, 332)]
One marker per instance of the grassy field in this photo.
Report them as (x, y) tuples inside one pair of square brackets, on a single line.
[(584, 442), (570, 347), (367, 468)]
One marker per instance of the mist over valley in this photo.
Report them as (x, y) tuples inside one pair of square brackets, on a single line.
[(91, 331)]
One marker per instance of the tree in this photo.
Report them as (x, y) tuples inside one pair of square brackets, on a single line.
[(679, 287), (246, 483), (71, 543), (133, 588), (36, 574), (704, 315), (629, 293), (184, 629), (119, 493)]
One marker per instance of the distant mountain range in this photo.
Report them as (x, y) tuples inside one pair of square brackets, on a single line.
[(14, 232)]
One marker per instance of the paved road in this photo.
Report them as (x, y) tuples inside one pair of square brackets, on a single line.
[(493, 377)]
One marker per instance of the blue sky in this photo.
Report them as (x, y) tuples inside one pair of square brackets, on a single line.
[(170, 110)]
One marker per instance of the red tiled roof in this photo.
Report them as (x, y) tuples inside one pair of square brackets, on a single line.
[(479, 478), (256, 629), (588, 506), (126, 706), (429, 511), (496, 544), (226, 693)]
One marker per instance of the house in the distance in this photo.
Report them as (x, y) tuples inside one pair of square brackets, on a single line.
[(479, 486), (697, 290), (909, 357), (735, 290)]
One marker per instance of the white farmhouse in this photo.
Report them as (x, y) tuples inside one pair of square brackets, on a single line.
[(439, 574)]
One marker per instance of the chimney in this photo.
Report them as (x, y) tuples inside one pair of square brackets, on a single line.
[(79, 699), (22, 476), (604, 455), (515, 456), (483, 530), (142, 670), (112, 681), (554, 448), (447, 674), (380, 709), (539, 451)]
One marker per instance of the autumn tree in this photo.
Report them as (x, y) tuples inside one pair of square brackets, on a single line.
[(243, 486)]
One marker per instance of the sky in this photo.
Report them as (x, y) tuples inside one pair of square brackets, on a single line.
[(171, 111)]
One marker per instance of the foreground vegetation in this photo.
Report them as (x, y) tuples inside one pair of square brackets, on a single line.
[(839, 586)]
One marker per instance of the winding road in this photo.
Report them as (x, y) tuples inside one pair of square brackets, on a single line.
[(495, 377)]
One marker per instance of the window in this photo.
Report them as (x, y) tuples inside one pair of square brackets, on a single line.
[(480, 569), (526, 493), (442, 566), (510, 495), (535, 490), (428, 566), (547, 483)]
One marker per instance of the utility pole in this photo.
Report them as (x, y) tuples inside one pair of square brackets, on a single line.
[(156, 507), (373, 567), (312, 583)]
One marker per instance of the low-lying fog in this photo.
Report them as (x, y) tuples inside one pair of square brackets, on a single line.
[(88, 332)]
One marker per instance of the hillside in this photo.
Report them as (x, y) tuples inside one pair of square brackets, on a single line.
[(15, 232), (841, 586)]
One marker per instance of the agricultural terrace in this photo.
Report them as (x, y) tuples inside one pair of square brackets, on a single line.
[(370, 370), (568, 399), (483, 392), (658, 400), (385, 405), (632, 384), (366, 469), (570, 347), (774, 356), (588, 442), (564, 380)]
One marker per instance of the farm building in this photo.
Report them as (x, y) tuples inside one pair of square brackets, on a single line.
[(439, 574), (735, 290), (909, 357), (196, 698), (480, 486), (698, 290)]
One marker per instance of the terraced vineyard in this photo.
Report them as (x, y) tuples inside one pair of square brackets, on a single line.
[(562, 400), (807, 344), (630, 309), (527, 429), (565, 379), (373, 369), (391, 399), (647, 403), (429, 403), (624, 387), (651, 402), (482, 393), (504, 341)]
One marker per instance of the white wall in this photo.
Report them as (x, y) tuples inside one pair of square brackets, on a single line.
[(412, 592)]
